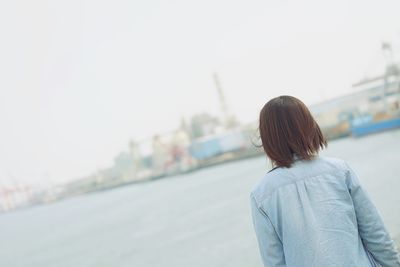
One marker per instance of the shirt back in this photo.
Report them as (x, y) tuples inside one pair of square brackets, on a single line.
[(305, 216)]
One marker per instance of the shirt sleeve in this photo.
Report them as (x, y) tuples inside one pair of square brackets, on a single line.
[(269, 243), (371, 228)]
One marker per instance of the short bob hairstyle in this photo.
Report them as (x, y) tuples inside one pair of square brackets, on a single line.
[(287, 129)]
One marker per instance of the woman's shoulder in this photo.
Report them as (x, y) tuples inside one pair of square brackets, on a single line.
[(333, 162), (269, 182), (281, 176)]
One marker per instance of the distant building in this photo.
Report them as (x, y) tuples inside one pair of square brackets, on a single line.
[(214, 145), (127, 165), (136, 156), (6, 199), (203, 124), (384, 93), (181, 159), (372, 100), (160, 155), (14, 197), (124, 166)]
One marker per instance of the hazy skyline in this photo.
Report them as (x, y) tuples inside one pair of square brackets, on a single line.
[(79, 79)]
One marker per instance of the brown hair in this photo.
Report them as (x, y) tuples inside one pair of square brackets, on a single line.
[(287, 128)]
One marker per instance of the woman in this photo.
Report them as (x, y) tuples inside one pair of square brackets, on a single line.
[(311, 210)]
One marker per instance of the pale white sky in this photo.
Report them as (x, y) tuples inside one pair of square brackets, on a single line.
[(79, 78)]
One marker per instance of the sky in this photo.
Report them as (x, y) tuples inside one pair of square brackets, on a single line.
[(80, 78)]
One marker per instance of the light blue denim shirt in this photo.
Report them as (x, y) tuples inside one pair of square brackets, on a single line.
[(316, 213)]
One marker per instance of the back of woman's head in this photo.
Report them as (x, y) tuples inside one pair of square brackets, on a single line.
[(287, 128)]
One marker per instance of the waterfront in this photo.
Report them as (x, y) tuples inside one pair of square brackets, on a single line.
[(197, 219)]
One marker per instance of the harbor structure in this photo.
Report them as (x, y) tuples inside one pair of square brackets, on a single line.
[(373, 105)]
